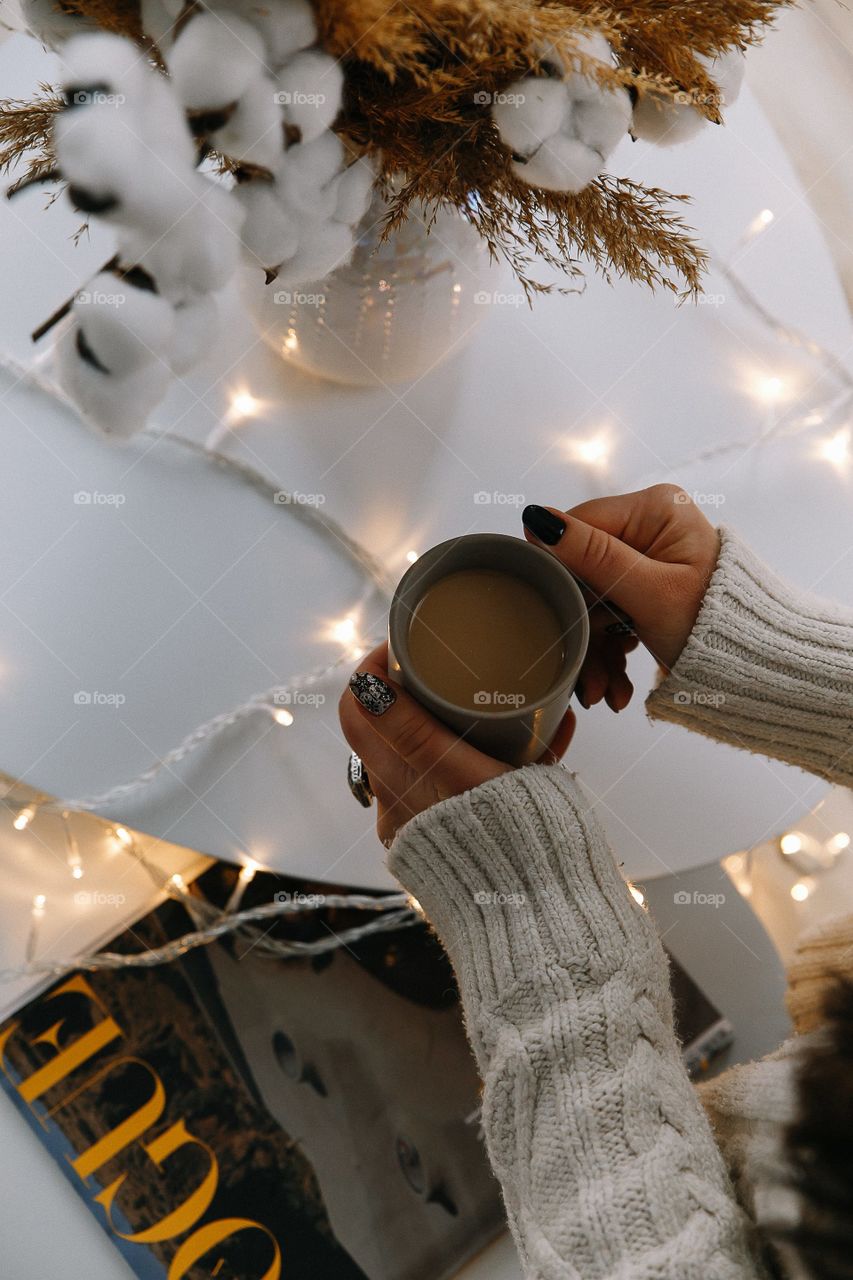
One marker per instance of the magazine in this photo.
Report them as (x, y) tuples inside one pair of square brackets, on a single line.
[(245, 1117)]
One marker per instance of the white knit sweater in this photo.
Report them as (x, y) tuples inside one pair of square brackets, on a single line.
[(607, 1160)]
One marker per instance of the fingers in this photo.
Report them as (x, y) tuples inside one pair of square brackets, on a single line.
[(376, 704), (561, 741), (612, 568)]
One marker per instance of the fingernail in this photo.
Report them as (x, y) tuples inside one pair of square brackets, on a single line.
[(581, 697), (372, 692), (620, 628), (543, 524), (358, 781)]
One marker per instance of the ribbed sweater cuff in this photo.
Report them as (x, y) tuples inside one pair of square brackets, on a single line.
[(767, 667), (517, 880)]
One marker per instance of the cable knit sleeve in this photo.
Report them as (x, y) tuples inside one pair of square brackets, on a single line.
[(604, 1153), (766, 667)]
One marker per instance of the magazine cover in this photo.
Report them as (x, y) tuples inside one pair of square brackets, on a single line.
[(249, 1118)]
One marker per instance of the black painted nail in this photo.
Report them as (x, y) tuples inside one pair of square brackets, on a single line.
[(581, 697), (372, 692), (543, 524), (625, 628), (358, 781)]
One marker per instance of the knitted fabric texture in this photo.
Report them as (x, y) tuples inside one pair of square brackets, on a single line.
[(605, 1156), (767, 667)]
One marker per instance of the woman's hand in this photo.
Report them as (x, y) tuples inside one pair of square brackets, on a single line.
[(648, 555), (412, 760)]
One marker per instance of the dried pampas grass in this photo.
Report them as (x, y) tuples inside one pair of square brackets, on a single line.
[(420, 75)]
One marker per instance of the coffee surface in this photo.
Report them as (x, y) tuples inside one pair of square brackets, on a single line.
[(486, 640)]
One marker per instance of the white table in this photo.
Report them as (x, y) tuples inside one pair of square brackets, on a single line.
[(193, 594)]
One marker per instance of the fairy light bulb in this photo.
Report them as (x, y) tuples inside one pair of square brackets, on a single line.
[(637, 895), (123, 836), (760, 223), (39, 904), (836, 449), (282, 716), (411, 556), (244, 405), (24, 818), (177, 882), (416, 906), (791, 842), (291, 342), (592, 452), (839, 842), (248, 871), (344, 631), (801, 890), (769, 388)]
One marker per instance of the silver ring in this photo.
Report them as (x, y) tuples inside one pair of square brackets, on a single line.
[(358, 781)]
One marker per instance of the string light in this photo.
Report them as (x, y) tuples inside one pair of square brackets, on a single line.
[(759, 223), (637, 894), (24, 818), (839, 842), (75, 862), (769, 388), (177, 883), (291, 342), (244, 405), (123, 836), (791, 843), (39, 904), (801, 890), (282, 716), (836, 449), (411, 556), (592, 452), (344, 631)]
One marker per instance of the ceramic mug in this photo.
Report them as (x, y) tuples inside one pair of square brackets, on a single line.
[(520, 734)]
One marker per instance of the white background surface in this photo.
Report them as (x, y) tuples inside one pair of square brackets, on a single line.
[(90, 593)]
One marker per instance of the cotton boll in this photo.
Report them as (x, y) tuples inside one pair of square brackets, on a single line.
[(107, 73), (323, 246), (560, 164), (196, 254), (158, 18), (104, 60), (118, 406), (669, 122), (124, 326), (727, 71), (664, 121), (51, 25), (254, 133), (600, 114), (602, 122), (305, 175), (270, 233), (215, 59), (354, 191), (310, 90), (285, 25), (196, 326), (112, 172), (529, 111)]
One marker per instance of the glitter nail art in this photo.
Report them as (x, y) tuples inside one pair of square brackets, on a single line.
[(372, 692)]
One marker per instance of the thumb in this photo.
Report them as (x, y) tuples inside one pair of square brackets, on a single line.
[(606, 565)]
